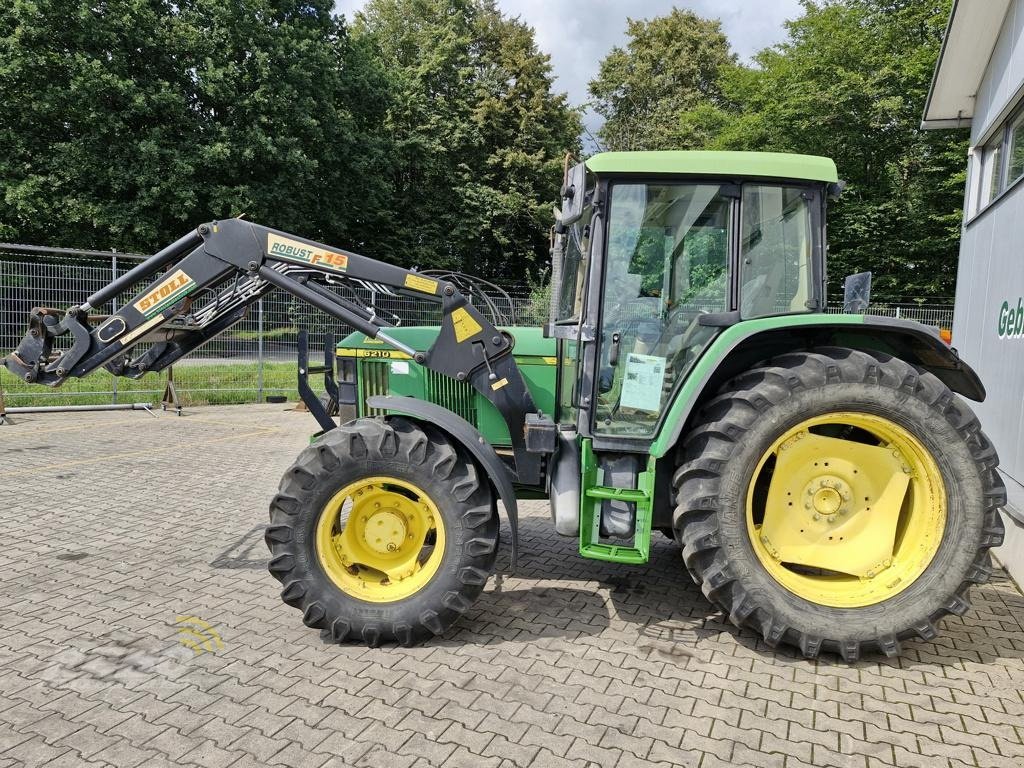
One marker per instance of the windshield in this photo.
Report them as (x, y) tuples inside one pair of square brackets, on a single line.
[(667, 264)]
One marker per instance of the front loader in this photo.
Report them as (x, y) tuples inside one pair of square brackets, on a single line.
[(827, 486)]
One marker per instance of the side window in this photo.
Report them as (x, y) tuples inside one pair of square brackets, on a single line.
[(775, 250), (574, 267)]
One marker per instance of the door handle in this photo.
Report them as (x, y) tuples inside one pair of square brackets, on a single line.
[(613, 353)]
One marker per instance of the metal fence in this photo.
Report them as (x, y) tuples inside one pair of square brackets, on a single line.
[(254, 359), (247, 363)]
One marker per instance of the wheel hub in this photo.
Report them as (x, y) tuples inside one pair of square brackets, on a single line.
[(828, 496), (385, 531)]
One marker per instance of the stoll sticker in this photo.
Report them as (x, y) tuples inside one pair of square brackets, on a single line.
[(169, 292)]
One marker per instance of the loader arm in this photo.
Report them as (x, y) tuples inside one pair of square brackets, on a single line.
[(216, 271)]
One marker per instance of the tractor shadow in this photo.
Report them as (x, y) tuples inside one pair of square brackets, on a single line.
[(660, 607), (670, 619), (556, 593)]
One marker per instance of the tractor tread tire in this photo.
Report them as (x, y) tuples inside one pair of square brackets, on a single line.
[(408, 450), (707, 470)]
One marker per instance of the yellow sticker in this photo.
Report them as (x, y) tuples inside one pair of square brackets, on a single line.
[(293, 250), (465, 326), (176, 287), (499, 384), (421, 284), (378, 354)]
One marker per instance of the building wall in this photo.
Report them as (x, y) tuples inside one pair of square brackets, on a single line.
[(991, 271), (1004, 74)]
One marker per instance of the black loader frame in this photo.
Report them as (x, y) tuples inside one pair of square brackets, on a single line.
[(216, 271)]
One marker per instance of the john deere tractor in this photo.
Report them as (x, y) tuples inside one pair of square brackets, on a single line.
[(826, 483)]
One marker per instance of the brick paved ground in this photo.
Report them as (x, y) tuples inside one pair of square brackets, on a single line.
[(115, 524)]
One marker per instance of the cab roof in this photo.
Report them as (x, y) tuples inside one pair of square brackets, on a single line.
[(775, 165)]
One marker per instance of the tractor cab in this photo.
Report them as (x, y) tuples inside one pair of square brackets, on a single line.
[(658, 253)]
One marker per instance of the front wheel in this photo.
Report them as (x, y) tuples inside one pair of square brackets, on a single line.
[(838, 500), (382, 531)]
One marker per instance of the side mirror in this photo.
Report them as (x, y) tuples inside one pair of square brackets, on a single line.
[(857, 293), (574, 190)]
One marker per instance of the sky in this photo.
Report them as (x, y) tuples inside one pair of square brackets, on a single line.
[(577, 34)]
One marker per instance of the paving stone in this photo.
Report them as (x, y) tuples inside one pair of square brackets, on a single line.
[(573, 663)]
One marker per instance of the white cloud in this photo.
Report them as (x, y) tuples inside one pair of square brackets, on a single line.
[(578, 35)]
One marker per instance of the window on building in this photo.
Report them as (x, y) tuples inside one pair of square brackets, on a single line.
[(991, 170), (1015, 150)]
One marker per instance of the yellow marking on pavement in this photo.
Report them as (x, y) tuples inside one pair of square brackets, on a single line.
[(132, 454)]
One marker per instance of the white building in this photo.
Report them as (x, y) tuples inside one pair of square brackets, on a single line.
[(979, 82)]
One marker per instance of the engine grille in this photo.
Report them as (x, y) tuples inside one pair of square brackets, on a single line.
[(457, 396), (374, 379)]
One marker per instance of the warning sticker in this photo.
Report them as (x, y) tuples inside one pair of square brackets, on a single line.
[(422, 284), (643, 383), (465, 326), (499, 384)]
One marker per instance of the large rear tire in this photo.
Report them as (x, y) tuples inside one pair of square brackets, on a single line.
[(837, 500), (382, 531)]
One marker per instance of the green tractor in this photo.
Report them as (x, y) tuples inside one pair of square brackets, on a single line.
[(825, 483)]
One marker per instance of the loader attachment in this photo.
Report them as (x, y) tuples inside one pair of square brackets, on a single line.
[(209, 277)]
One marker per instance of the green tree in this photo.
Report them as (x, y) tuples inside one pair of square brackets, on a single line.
[(127, 121), (477, 135), (850, 82), (670, 65)]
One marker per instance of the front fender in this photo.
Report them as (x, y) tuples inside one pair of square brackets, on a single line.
[(470, 438)]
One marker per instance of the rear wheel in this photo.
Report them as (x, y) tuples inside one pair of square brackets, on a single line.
[(382, 531), (838, 500)]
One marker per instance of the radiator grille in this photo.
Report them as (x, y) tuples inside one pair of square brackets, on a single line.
[(456, 396), (374, 378)]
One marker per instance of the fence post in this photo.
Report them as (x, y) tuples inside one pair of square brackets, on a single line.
[(259, 351), (113, 276)]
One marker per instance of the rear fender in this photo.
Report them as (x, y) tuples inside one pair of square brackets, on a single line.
[(469, 438), (745, 344)]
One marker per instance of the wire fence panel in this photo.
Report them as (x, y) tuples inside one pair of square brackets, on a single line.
[(250, 361)]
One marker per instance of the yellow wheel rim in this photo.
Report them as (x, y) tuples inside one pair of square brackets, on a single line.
[(380, 539), (846, 509)]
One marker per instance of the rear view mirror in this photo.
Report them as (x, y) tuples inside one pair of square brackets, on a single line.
[(574, 189), (857, 293)]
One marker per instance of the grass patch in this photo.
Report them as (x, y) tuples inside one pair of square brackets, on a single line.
[(284, 332), (197, 384)]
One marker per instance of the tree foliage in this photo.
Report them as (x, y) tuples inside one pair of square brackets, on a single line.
[(670, 65), (849, 82), (128, 121), (478, 134), (429, 135)]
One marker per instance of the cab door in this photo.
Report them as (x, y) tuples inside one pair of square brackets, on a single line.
[(570, 309)]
